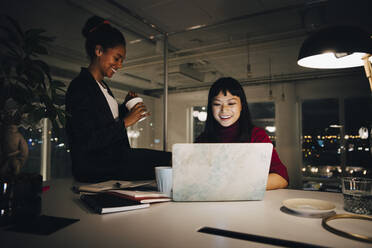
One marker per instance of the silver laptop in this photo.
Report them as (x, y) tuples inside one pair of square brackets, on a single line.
[(220, 172)]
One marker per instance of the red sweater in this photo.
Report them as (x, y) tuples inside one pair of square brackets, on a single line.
[(231, 135)]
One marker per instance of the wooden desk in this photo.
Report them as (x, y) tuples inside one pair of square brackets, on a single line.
[(174, 224)]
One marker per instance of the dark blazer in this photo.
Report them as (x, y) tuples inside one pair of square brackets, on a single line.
[(98, 142)]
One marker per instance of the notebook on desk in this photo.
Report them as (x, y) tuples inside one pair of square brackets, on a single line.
[(220, 172)]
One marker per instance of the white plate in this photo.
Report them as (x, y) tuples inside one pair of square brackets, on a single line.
[(309, 206)]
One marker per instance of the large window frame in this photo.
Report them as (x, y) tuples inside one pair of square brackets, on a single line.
[(344, 168)]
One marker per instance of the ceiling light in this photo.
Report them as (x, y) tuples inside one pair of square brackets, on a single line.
[(335, 126), (337, 47), (195, 27), (135, 41)]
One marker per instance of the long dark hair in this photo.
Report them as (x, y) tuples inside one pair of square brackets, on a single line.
[(227, 84), (98, 31)]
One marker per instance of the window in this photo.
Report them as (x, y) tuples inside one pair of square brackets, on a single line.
[(336, 141), (263, 115), (34, 141), (199, 116), (358, 131), (321, 143), (60, 157)]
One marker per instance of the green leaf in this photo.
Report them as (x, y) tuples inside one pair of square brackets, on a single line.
[(44, 67), (10, 48), (39, 49), (21, 95), (34, 74), (34, 32), (46, 39), (62, 116), (37, 114), (16, 26), (20, 80), (57, 84), (58, 99)]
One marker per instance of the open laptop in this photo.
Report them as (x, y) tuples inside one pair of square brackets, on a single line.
[(220, 172)]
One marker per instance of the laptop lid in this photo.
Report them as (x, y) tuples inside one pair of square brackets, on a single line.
[(220, 171)]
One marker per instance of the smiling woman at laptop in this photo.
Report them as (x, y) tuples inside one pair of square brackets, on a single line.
[(229, 121)]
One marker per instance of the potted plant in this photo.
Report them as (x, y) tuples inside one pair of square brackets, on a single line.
[(27, 91)]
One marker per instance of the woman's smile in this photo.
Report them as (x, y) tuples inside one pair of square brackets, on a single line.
[(226, 108)]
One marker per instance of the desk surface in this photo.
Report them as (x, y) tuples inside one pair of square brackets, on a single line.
[(174, 224)]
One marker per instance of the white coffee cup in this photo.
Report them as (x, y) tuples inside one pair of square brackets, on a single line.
[(132, 102), (164, 180)]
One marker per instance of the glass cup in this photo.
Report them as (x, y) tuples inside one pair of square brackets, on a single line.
[(357, 193)]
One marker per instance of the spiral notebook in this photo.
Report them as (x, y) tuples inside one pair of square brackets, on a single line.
[(220, 172)]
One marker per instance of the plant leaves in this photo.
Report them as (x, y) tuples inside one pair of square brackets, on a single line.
[(34, 32), (58, 99), (38, 49), (57, 84), (37, 114), (34, 74), (62, 116), (16, 26), (44, 67), (29, 81), (10, 48)]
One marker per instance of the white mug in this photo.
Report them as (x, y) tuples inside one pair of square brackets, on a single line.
[(164, 179), (132, 102)]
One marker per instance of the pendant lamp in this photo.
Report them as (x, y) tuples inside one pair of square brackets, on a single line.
[(337, 47)]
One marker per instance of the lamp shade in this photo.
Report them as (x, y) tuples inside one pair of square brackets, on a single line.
[(335, 47)]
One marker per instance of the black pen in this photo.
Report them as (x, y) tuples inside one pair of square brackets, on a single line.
[(257, 238)]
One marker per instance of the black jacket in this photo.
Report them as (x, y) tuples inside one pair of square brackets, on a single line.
[(98, 142)]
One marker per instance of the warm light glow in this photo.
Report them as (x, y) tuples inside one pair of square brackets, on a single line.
[(133, 134), (202, 116), (195, 27), (270, 129), (135, 41), (330, 61), (363, 133), (335, 126)]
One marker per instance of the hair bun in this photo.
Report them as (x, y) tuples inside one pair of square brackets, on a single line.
[(92, 24)]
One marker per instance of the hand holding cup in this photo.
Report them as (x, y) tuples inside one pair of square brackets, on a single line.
[(137, 110)]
